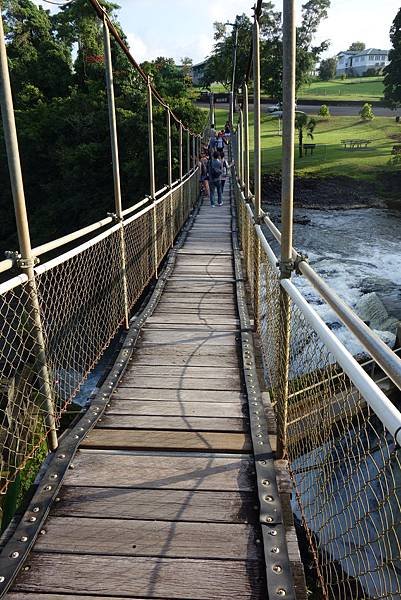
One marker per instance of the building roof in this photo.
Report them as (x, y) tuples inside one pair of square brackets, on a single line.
[(363, 52)]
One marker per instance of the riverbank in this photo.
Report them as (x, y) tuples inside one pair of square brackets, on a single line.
[(337, 192)]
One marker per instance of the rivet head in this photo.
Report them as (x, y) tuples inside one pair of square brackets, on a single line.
[(2, 579), (273, 532), (14, 555), (72, 467), (43, 532), (61, 456), (35, 509), (265, 482), (54, 476), (277, 569), (281, 593), (32, 519), (262, 462), (58, 499), (269, 519), (275, 550), (47, 488), (269, 498), (23, 539)]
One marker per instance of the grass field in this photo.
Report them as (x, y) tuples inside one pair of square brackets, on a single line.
[(330, 157), (360, 88), (367, 89)]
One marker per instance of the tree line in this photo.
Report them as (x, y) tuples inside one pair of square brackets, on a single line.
[(57, 74)]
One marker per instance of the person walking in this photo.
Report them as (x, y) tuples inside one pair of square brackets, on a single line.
[(220, 143), (215, 171), (204, 176), (224, 173)]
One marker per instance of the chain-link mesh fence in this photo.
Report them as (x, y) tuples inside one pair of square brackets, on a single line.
[(345, 464), (81, 307)]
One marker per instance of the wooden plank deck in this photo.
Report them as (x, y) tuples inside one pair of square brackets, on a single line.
[(161, 502)]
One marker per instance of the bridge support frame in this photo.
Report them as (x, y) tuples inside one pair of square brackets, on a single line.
[(116, 162), (287, 202), (257, 163), (170, 176), (152, 181), (245, 141), (27, 260)]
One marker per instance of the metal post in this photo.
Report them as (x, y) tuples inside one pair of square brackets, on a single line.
[(231, 109), (257, 164), (241, 148), (116, 162), (246, 140), (211, 108), (170, 175), (152, 183), (287, 192), (188, 151), (27, 260), (180, 153), (232, 93), (194, 153)]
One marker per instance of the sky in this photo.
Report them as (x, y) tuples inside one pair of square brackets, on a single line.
[(180, 28)]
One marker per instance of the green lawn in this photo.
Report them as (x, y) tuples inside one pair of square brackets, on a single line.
[(330, 157), (367, 89), (360, 88)]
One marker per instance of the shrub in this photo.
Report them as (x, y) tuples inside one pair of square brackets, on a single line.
[(372, 72), (366, 112), (324, 111)]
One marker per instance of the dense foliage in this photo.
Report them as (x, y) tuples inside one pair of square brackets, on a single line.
[(392, 79), (327, 69), (57, 75), (220, 64)]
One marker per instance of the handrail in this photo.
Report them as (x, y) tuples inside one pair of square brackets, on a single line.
[(389, 415), (380, 352)]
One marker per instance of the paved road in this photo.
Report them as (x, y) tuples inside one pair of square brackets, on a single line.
[(336, 111)]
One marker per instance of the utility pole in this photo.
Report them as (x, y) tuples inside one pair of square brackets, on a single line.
[(232, 92)]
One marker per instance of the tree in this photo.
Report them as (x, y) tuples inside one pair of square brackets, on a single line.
[(357, 47), (366, 112), (304, 125), (327, 69), (392, 78), (40, 65)]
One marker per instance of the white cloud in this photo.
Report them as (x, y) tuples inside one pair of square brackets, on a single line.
[(139, 49)]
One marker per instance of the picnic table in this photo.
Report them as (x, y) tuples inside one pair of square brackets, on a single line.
[(309, 147), (355, 144)]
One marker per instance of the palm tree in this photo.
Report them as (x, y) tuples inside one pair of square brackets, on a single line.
[(304, 124)]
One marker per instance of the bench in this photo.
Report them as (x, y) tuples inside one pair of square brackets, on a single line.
[(355, 144), (309, 147)]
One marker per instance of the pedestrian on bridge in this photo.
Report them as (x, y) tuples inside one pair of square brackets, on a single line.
[(221, 142), (215, 171), (204, 175), (225, 169)]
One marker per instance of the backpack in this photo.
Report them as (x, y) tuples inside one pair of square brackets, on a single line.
[(220, 143), (215, 169)]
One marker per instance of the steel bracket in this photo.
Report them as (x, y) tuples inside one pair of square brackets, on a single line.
[(27, 263), (115, 217), (300, 258), (279, 577)]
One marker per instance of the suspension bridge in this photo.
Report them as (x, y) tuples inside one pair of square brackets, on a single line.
[(229, 415)]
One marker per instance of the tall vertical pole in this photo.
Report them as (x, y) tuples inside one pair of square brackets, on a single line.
[(188, 151), (180, 152), (232, 93), (246, 141), (152, 182), (170, 176), (287, 197), (241, 148), (194, 151), (257, 165), (211, 108), (116, 162), (27, 260)]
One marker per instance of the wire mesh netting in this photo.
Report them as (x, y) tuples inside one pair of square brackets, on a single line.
[(344, 463), (80, 307)]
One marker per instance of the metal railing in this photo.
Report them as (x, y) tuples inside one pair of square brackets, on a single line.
[(58, 318), (337, 428)]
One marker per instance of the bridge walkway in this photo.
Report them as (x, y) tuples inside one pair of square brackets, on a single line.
[(162, 501)]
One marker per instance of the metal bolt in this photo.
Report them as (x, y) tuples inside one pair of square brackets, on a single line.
[(72, 467), (275, 550), (269, 519), (47, 488), (262, 462), (273, 532), (32, 519), (54, 476), (58, 499), (269, 498), (61, 456), (277, 568), (14, 555), (23, 539), (36, 509), (281, 593), (43, 532), (27, 568), (258, 541), (265, 482), (2, 579)]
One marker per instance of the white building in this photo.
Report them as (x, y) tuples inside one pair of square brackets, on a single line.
[(358, 62)]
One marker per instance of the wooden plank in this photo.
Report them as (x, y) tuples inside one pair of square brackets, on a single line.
[(202, 312), (182, 423), (177, 409), (39, 596), (205, 287), (183, 358), (198, 299), (177, 396), (178, 579), (183, 505), (116, 537), (182, 371), (199, 326), (132, 380), (181, 338), (185, 441), (161, 471)]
